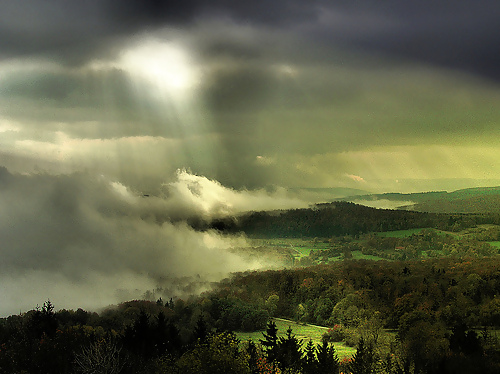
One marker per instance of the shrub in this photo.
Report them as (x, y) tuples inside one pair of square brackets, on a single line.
[(351, 337), (335, 334)]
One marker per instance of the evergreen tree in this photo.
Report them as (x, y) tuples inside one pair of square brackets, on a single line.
[(270, 342), (289, 352), (364, 360), (252, 357), (139, 337), (174, 338), (310, 362), (43, 322), (161, 334), (200, 330), (328, 362)]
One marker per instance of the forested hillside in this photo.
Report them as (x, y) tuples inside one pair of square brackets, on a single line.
[(343, 218), (467, 204)]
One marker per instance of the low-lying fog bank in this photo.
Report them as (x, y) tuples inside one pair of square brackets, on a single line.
[(84, 241)]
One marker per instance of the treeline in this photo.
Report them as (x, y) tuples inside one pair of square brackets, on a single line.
[(344, 218), (429, 243), (133, 337), (177, 337), (455, 290)]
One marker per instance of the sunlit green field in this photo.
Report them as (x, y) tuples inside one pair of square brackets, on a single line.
[(303, 247), (300, 247), (304, 332), (357, 255)]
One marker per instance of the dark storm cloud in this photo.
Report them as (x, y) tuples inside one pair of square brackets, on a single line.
[(271, 86), (240, 89), (74, 31), (462, 34)]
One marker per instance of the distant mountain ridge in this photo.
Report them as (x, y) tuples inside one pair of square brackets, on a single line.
[(468, 200)]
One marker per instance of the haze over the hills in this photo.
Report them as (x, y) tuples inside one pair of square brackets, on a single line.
[(266, 104)]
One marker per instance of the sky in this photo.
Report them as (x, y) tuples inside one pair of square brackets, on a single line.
[(217, 107)]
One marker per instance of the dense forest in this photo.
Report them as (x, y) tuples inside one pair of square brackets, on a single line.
[(343, 218)]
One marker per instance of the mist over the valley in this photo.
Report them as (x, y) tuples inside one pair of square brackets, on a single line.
[(82, 240)]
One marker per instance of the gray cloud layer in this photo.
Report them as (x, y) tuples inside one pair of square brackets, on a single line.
[(462, 35), (102, 243), (265, 109)]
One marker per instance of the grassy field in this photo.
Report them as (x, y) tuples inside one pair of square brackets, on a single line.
[(303, 247), (357, 255), (300, 247), (304, 332)]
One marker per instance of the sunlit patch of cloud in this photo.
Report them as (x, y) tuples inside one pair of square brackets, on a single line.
[(265, 160), (356, 178)]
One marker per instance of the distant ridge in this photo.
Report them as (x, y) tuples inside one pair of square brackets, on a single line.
[(487, 203), (468, 200), (326, 194)]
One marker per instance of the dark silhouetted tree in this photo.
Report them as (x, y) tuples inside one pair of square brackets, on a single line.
[(328, 362), (270, 342), (364, 360), (200, 332), (310, 363), (289, 352), (253, 357)]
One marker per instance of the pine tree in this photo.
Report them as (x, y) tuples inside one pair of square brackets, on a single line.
[(44, 321), (364, 359), (200, 330), (310, 362), (270, 342), (289, 351), (328, 361), (161, 334), (252, 357)]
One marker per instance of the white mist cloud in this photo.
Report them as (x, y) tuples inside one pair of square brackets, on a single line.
[(85, 241), (383, 203), (197, 195)]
